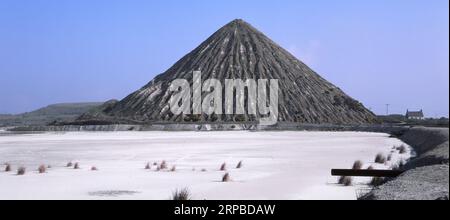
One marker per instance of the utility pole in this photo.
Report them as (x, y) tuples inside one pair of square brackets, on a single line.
[(387, 109)]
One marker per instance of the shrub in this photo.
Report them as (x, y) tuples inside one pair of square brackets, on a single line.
[(49, 166), (76, 166), (380, 158), (223, 167), (8, 168), (70, 164), (357, 165), (42, 169), (155, 164), (226, 178), (345, 180), (370, 168), (204, 170), (148, 167), (181, 195), (94, 168), (21, 171), (239, 165), (173, 169)]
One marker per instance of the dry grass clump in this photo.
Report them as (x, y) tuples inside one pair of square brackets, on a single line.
[(76, 166), (389, 158), (399, 166), (377, 181), (357, 165), (223, 167), (181, 195), (148, 167), (42, 169), (163, 165), (70, 164), (345, 180), (239, 165), (226, 178), (402, 149), (380, 158), (8, 168), (21, 171)]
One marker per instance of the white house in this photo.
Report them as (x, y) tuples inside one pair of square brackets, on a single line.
[(416, 115)]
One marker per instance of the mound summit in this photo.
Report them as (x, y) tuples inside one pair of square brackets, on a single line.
[(239, 51)]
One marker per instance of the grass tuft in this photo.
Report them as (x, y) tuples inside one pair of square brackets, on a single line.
[(21, 171), (226, 178), (223, 167), (181, 195), (357, 165), (42, 169), (402, 149), (8, 168), (239, 165), (389, 158), (163, 165), (377, 181), (380, 158), (345, 180)]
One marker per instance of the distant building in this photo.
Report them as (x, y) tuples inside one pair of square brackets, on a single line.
[(416, 115)]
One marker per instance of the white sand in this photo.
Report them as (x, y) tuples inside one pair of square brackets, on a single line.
[(276, 165)]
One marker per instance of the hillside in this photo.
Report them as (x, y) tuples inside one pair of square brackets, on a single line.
[(43, 116)]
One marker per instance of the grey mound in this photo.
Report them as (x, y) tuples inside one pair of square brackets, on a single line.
[(239, 51)]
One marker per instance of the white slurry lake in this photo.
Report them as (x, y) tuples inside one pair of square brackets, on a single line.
[(276, 165)]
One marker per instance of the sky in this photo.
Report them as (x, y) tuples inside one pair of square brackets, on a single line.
[(378, 51)]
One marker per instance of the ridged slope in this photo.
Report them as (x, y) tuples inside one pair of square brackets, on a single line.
[(239, 51)]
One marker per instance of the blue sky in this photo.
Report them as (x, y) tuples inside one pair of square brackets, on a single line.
[(377, 51)]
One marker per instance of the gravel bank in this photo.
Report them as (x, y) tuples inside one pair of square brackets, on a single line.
[(427, 175)]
